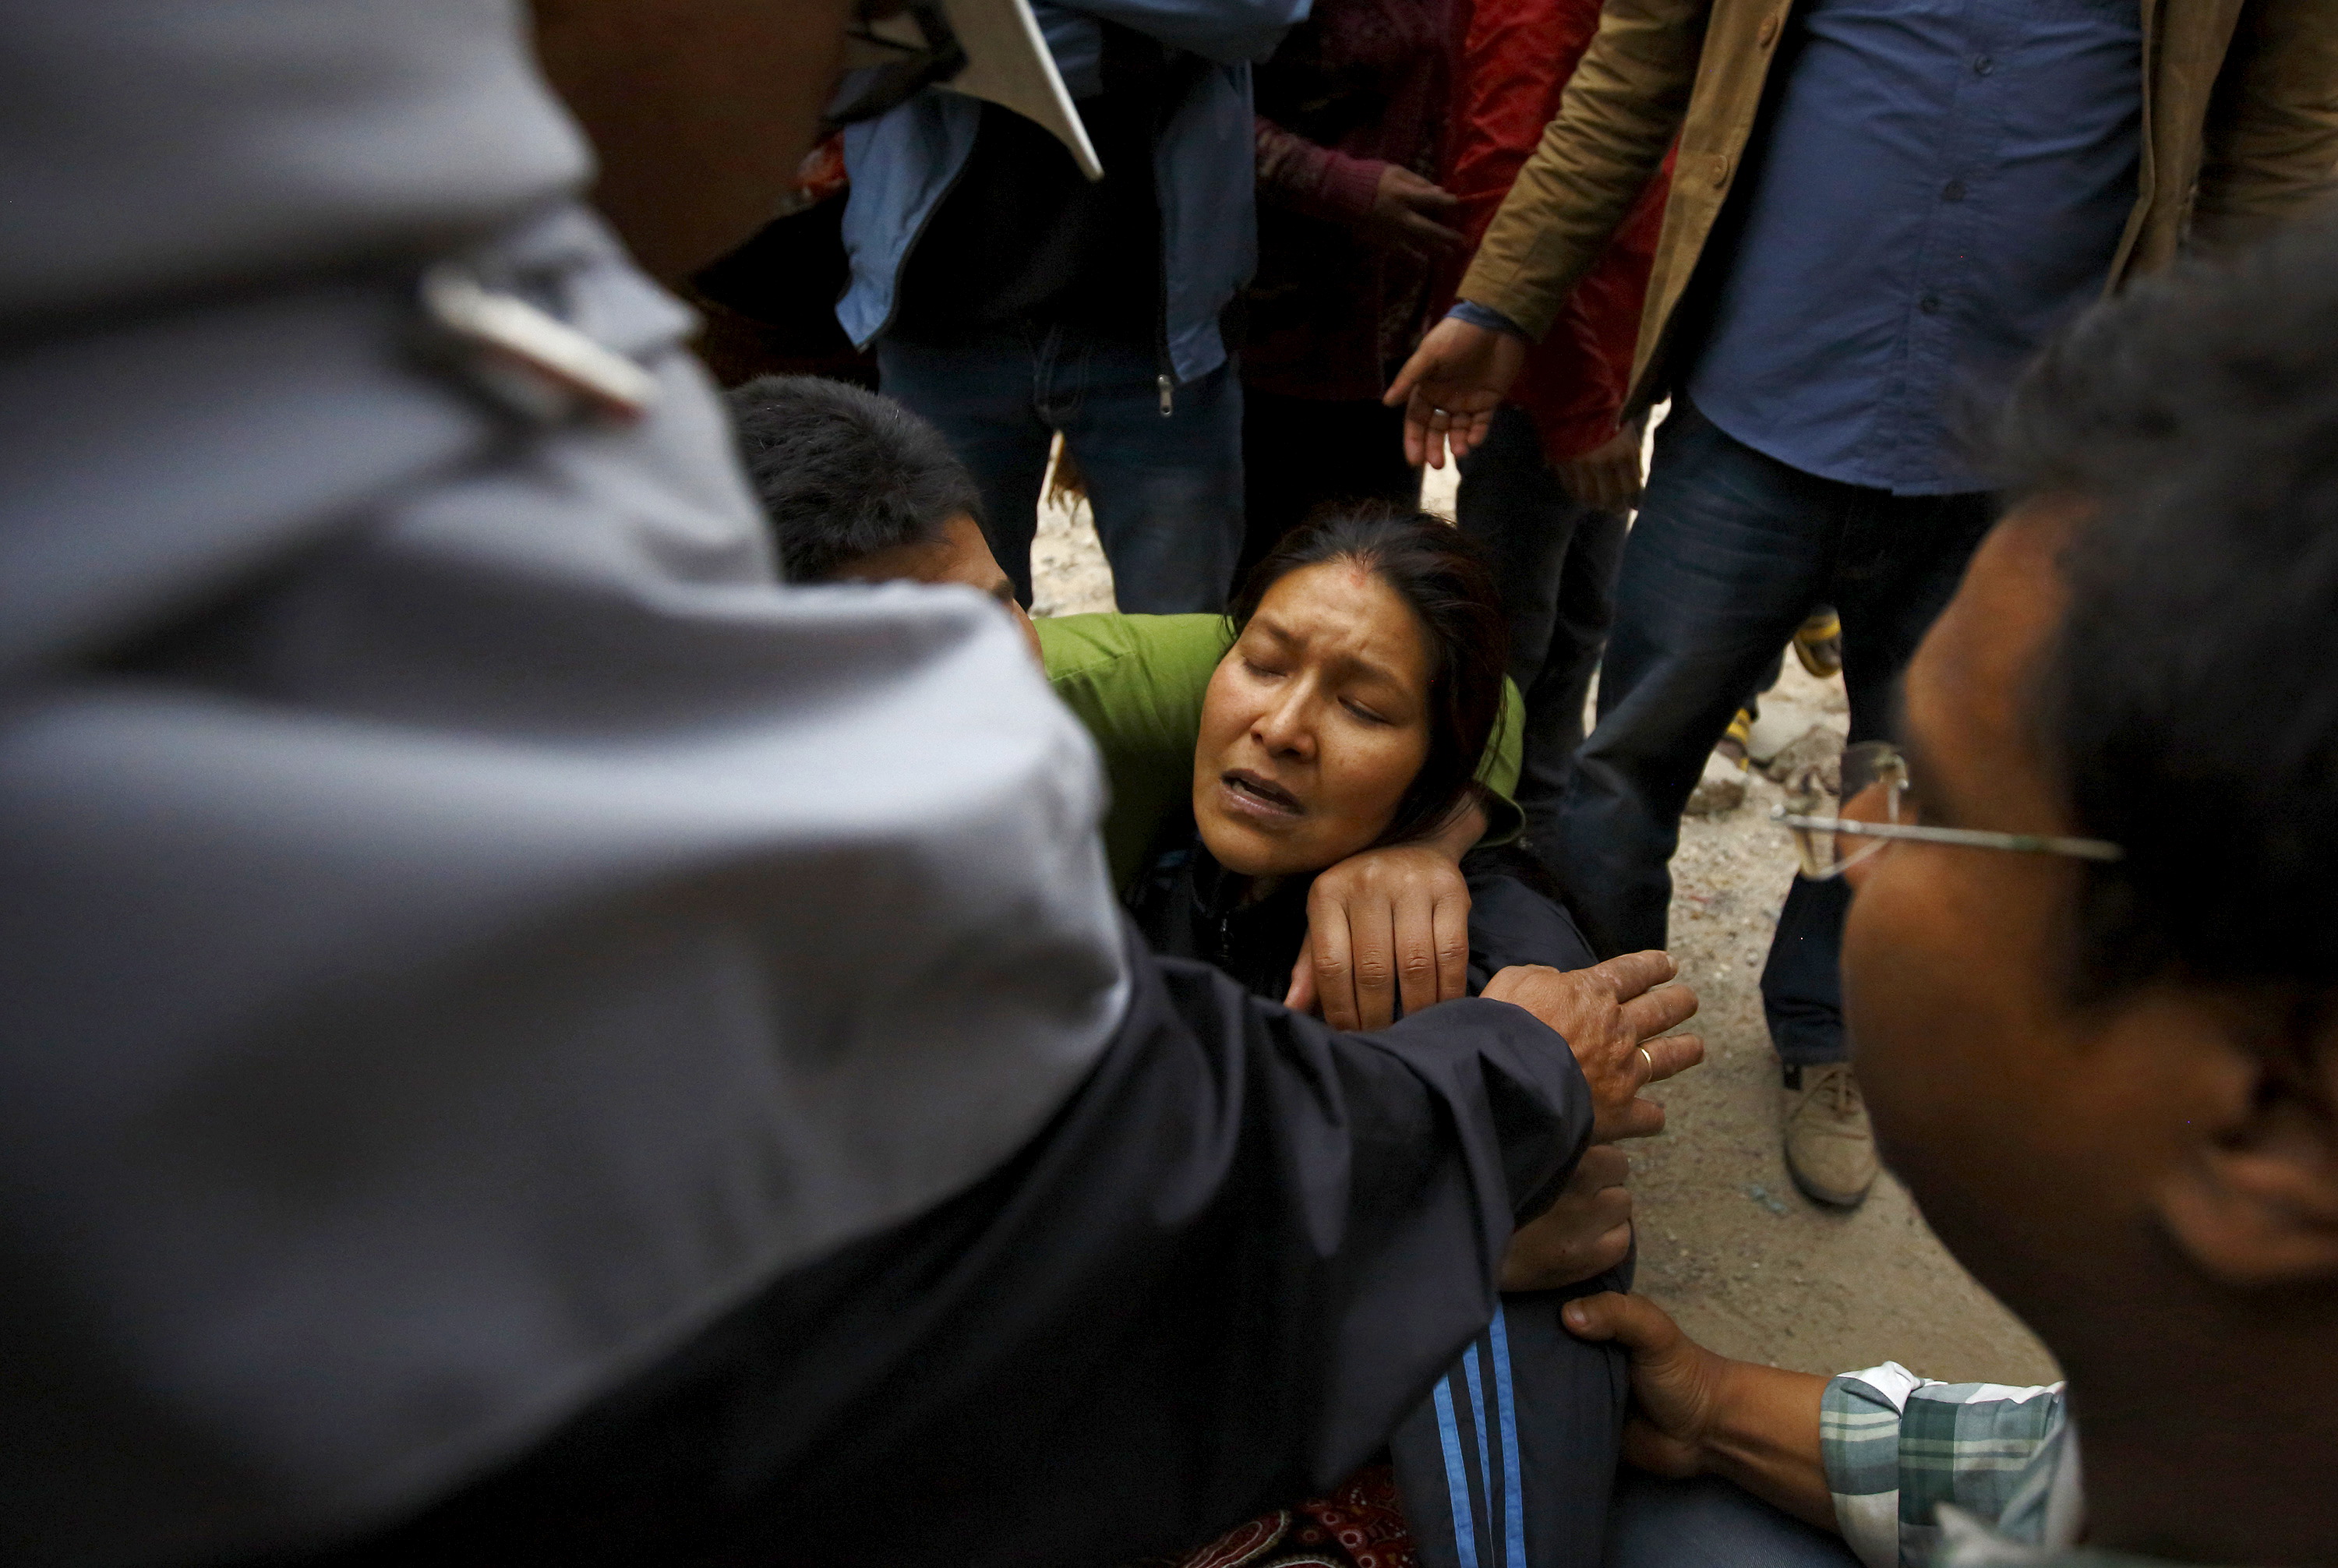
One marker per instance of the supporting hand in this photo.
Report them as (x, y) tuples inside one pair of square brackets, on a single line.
[(1587, 1231), (1677, 1383), (1693, 1411), (1613, 1016), (1451, 387), (1385, 926)]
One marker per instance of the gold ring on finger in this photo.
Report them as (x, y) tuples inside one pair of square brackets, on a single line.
[(1651, 1062)]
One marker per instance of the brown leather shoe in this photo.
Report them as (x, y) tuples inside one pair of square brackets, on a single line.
[(1830, 1147)]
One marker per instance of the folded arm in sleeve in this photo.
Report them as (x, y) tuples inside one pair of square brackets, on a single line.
[(1216, 1281)]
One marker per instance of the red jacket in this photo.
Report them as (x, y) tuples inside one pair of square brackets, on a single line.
[(1516, 56)]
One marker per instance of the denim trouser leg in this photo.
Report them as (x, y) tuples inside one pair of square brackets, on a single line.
[(982, 395), (1166, 489), (1555, 562), (1802, 980), (1898, 564), (1587, 612), (1705, 1521), (1731, 550)]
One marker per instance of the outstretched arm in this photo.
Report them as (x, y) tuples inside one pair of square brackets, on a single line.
[(1696, 1413), (1620, 112), (1216, 1280), (1619, 115)]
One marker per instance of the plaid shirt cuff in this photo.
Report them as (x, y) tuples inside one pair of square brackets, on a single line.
[(1898, 1446)]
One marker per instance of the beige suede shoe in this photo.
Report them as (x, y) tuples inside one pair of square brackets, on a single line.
[(1830, 1147)]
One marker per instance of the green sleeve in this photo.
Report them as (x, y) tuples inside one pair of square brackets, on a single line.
[(1136, 682), (1500, 770)]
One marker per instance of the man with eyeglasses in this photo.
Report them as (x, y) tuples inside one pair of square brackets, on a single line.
[(1878, 209), (2091, 965)]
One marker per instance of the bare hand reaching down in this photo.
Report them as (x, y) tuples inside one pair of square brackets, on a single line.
[(1451, 387), (1694, 1412), (1613, 1016)]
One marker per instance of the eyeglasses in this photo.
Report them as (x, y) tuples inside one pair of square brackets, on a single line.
[(1828, 844), (892, 50)]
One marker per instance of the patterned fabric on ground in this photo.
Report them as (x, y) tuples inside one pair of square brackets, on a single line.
[(1359, 1523)]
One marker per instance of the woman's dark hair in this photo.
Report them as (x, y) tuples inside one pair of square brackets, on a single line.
[(1439, 573), (2188, 705)]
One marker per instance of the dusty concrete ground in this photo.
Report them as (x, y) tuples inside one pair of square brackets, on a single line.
[(1747, 1264)]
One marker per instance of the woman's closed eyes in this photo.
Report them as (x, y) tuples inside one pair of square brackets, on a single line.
[(1322, 701)]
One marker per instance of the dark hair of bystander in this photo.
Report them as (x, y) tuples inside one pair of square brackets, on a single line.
[(2189, 706), (844, 472)]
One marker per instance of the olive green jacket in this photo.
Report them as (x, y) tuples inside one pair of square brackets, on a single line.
[(1136, 682), (2240, 129)]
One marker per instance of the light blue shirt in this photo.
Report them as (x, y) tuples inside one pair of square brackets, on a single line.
[(903, 164)]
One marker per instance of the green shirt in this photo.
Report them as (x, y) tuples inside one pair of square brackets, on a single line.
[(1137, 682)]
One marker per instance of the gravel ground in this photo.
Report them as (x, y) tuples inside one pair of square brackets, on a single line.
[(1749, 1266)]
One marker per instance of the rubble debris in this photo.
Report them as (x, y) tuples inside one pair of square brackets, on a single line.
[(1722, 788)]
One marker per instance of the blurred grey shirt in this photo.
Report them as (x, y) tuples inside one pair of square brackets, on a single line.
[(463, 925)]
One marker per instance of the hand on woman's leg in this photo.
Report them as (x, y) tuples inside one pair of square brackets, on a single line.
[(1696, 1413)]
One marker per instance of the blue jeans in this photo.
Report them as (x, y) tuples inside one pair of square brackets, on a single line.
[(1705, 1521), (1166, 490), (1555, 562), (1731, 551)]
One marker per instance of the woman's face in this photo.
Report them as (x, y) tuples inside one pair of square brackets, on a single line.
[(1315, 724)]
